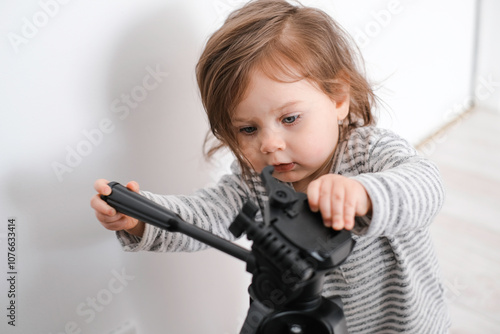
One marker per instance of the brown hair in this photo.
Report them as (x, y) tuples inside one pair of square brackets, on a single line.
[(284, 41)]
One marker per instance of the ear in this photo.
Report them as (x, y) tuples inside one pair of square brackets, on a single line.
[(342, 107), (341, 91), (342, 101)]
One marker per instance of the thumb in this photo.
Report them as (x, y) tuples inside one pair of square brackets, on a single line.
[(134, 186)]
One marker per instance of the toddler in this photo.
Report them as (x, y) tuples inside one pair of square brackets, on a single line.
[(281, 86)]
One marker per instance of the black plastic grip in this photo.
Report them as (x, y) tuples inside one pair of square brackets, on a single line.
[(137, 206)]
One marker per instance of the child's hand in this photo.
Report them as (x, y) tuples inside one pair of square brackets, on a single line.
[(339, 199), (108, 216)]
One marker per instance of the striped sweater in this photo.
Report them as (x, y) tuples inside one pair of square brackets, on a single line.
[(391, 281)]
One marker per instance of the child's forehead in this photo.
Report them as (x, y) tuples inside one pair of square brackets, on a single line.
[(264, 93), (277, 67), (260, 80), (277, 70)]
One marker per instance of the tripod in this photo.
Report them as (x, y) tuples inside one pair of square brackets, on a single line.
[(291, 253)]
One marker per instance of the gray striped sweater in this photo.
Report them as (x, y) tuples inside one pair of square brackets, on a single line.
[(391, 281)]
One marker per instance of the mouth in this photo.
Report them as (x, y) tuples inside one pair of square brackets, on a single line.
[(280, 168)]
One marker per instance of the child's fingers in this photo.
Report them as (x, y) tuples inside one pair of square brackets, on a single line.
[(337, 199), (101, 207), (101, 186), (325, 197), (313, 195), (349, 212), (108, 216), (325, 204), (106, 219), (134, 186), (117, 223)]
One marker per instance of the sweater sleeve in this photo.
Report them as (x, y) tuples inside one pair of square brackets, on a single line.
[(405, 188), (212, 208)]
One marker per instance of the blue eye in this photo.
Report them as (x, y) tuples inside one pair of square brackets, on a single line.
[(290, 119), (248, 130)]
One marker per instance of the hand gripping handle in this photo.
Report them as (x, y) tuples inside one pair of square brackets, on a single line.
[(137, 206)]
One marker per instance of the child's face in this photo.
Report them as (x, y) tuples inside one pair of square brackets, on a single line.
[(292, 126)]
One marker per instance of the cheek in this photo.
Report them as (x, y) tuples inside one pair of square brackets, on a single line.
[(248, 150), (245, 147), (319, 144)]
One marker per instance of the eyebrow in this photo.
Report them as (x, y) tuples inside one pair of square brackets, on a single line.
[(286, 105)]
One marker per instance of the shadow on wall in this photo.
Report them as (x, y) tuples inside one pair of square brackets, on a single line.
[(153, 127), (154, 97)]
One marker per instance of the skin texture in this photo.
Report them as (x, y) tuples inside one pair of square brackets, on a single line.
[(294, 127)]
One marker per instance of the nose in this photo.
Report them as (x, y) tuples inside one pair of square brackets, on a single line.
[(271, 141)]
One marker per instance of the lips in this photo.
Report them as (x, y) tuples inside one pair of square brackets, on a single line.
[(280, 168)]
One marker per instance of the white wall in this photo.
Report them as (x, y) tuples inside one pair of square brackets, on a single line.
[(487, 81), (63, 86), (420, 54)]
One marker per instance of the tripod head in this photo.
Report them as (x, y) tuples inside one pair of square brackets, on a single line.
[(291, 253)]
